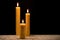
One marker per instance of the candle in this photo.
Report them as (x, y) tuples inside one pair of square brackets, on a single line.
[(27, 23), (18, 20), (22, 32)]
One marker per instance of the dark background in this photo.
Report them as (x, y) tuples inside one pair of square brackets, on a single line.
[(44, 16)]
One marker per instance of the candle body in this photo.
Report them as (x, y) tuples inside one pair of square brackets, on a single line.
[(22, 31), (27, 24), (17, 21)]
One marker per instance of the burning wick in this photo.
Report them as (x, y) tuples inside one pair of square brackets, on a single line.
[(22, 21), (27, 10), (17, 4)]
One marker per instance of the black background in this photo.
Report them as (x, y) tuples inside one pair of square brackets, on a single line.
[(44, 16)]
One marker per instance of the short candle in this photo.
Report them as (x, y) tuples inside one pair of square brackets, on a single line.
[(22, 25)]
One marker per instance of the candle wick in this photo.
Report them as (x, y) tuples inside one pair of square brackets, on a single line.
[(22, 21), (27, 10), (17, 4)]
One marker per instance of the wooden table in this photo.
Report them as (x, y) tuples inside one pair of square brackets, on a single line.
[(32, 37)]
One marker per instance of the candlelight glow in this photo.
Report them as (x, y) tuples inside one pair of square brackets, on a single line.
[(27, 10), (17, 4), (22, 21)]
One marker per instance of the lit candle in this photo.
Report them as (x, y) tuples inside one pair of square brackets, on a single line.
[(27, 23), (22, 32), (18, 20)]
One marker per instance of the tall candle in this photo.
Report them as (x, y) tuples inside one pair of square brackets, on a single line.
[(22, 32), (27, 23), (18, 20)]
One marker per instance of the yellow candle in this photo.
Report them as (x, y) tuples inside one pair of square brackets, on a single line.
[(27, 23), (22, 32), (18, 20)]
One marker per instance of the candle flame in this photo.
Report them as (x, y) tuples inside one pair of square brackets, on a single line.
[(17, 4), (27, 10), (22, 21)]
